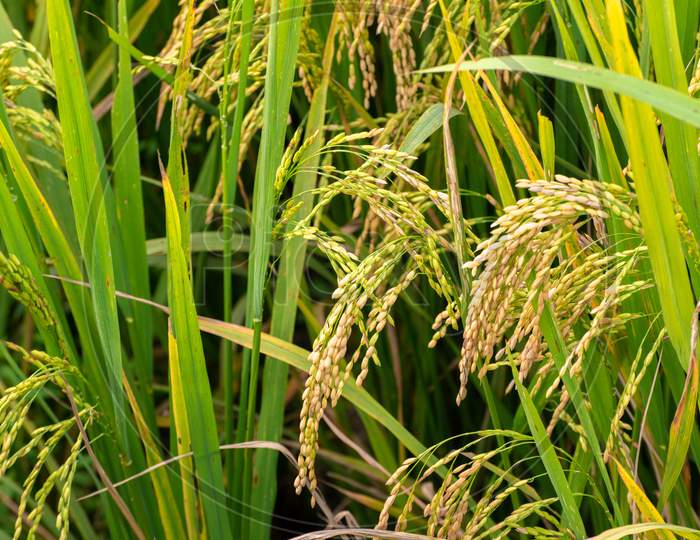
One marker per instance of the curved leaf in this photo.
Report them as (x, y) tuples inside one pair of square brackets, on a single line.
[(660, 97)]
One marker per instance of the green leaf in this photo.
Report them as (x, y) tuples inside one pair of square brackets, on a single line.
[(284, 36), (84, 160), (193, 380), (641, 500), (557, 346), (130, 219), (681, 138), (286, 295), (423, 128), (547, 150), (230, 162), (641, 528), (167, 506), (683, 421), (549, 458), (660, 97)]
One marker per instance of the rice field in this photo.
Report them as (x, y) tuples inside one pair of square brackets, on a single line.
[(412, 269)]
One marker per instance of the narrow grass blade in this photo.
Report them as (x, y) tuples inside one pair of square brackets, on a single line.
[(285, 303), (130, 218), (683, 421), (177, 161), (180, 423), (167, 506), (638, 529), (53, 187), (428, 123), (549, 459), (39, 36), (660, 97), (62, 255), (681, 137), (589, 27), (652, 180), (230, 160), (19, 243), (84, 161), (284, 34), (547, 150), (640, 498), (557, 346), (193, 376)]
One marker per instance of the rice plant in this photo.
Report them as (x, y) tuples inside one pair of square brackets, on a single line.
[(368, 269)]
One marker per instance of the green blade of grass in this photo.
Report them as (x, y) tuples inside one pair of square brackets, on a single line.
[(230, 159), (20, 244), (683, 421), (181, 425), (428, 123), (285, 304), (177, 161), (662, 98), (93, 212), (284, 33), (689, 11), (167, 506), (652, 181), (588, 29), (58, 249), (52, 185), (681, 138), (547, 150), (12, 216), (130, 218), (549, 459), (193, 381), (84, 160), (557, 346), (40, 35)]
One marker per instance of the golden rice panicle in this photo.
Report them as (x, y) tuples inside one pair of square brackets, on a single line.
[(326, 376), (524, 244), (471, 489), (355, 19)]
